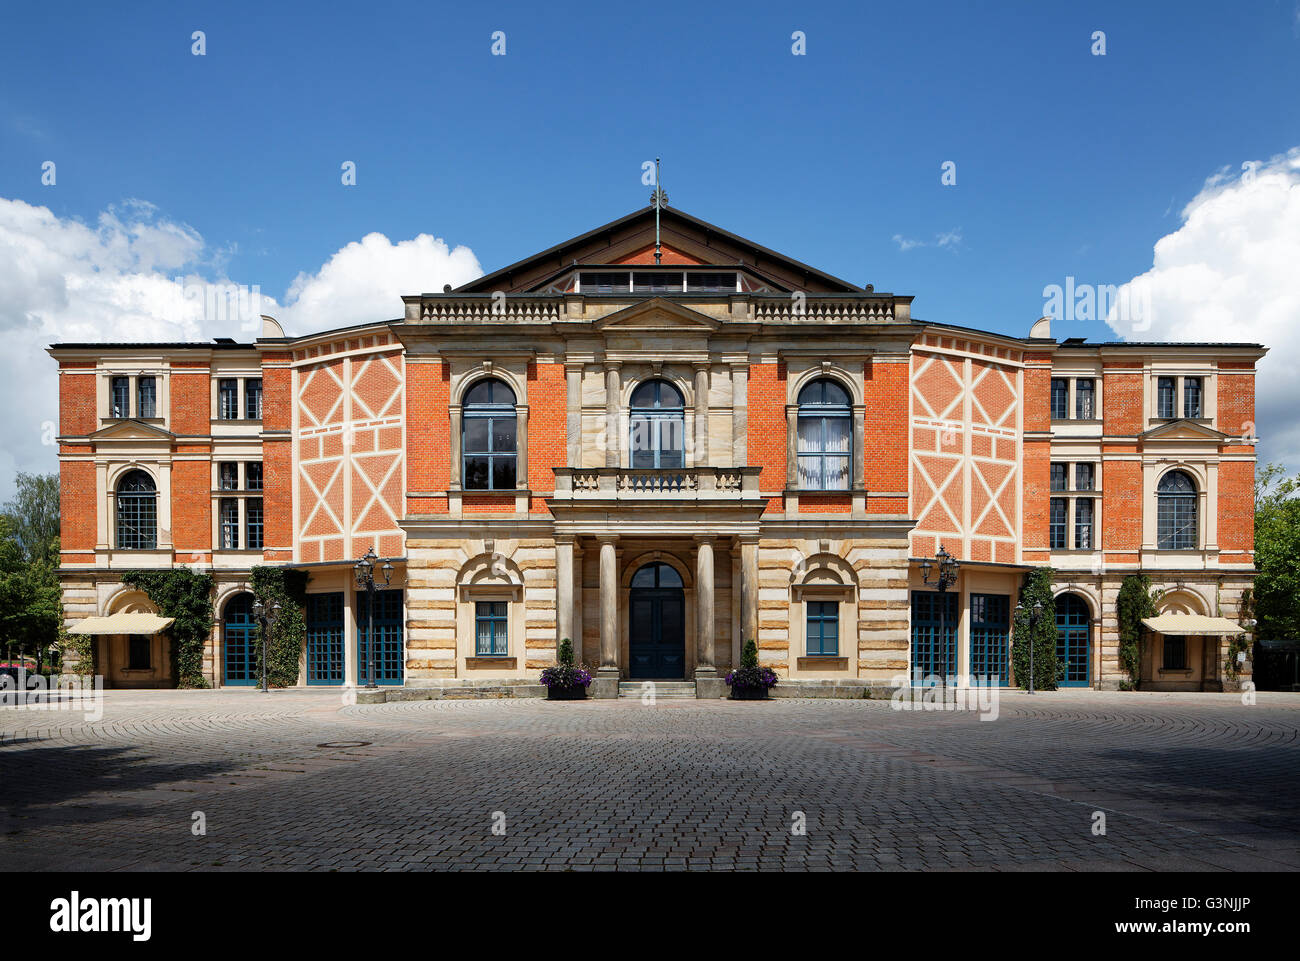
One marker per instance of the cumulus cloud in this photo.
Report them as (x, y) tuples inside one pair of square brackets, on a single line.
[(136, 276), (1231, 272)]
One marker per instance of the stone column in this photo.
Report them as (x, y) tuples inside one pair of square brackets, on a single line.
[(612, 392), (456, 472), (748, 589), (608, 605), (521, 448), (791, 447), (704, 617), (577, 602), (563, 590), (573, 416), (701, 415)]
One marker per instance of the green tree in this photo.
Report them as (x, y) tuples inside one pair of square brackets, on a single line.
[(1277, 547), (31, 610), (284, 646), (34, 516), (1036, 589)]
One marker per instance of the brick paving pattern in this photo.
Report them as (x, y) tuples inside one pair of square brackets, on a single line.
[(1186, 782)]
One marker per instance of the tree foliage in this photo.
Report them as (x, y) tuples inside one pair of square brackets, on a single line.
[(1036, 589), (1136, 600), (31, 609), (1277, 547), (284, 646)]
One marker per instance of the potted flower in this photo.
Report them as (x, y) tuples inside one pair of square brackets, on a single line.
[(749, 682), (566, 681)]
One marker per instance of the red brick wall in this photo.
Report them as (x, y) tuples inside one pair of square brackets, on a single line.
[(191, 398), (1037, 489), (277, 459), (77, 414), (547, 428), (191, 505), (78, 505), (767, 441), (1121, 399), (1237, 502), (1121, 514), (885, 445), (428, 464), (1236, 401)]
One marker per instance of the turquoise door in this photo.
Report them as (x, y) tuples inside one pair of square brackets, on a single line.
[(387, 638), (239, 640), (1073, 629)]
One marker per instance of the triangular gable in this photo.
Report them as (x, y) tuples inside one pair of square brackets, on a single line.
[(667, 255), (694, 240), (131, 430), (657, 314), (1182, 430)]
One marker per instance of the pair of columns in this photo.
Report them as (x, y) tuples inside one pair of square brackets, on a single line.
[(568, 613)]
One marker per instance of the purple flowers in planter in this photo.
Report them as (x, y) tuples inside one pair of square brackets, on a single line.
[(565, 676), (752, 678)]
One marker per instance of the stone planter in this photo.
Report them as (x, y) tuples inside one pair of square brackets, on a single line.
[(576, 693), (748, 694)]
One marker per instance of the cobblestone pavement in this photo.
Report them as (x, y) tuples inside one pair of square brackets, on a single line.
[(1185, 781)]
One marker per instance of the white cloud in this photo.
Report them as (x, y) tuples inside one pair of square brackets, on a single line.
[(136, 276), (1231, 272), (949, 238)]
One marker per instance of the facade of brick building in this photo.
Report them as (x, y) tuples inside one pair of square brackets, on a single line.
[(659, 445)]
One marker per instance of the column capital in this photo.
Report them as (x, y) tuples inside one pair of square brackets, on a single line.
[(613, 366), (742, 539), (566, 538), (705, 538), (605, 538)]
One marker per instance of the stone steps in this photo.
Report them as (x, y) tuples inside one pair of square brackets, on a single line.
[(661, 688)]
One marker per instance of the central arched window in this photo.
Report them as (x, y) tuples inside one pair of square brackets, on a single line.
[(137, 512), (658, 426), (825, 441), (488, 446), (1176, 512)]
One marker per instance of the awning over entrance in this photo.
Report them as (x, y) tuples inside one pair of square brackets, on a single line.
[(1192, 624), (125, 623)]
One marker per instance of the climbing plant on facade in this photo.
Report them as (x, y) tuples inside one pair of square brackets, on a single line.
[(1036, 589), (284, 646), (186, 597), (1136, 600)]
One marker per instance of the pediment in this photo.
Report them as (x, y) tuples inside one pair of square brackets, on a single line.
[(658, 314), (1183, 430), (128, 430)]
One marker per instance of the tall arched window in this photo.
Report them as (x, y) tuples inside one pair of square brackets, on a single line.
[(825, 441), (658, 426), (488, 446), (1176, 512), (137, 512)]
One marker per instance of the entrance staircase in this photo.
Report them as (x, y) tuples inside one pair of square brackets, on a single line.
[(662, 689)]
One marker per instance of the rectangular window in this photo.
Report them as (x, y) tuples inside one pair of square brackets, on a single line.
[(1164, 397), (606, 282), (1056, 523), (138, 653), (253, 398), (659, 282), (253, 514), (228, 399), (120, 399), (990, 631), (1084, 406), (1059, 474), (147, 397), (325, 638), (229, 524), (1083, 524), (253, 476), (1060, 398), (1192, 397), (823, 628), (1083, 477), (388, 637), (934, 636), (490, 629), (1175, 653), (228, 476)]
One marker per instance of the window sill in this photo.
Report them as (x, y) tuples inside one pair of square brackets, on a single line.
[(822, 662), (490, 662)]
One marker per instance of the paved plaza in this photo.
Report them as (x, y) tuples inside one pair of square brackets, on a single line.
[(299, 780)]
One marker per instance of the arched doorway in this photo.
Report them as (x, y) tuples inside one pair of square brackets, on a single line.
[(657, 624), (1073, 633), (238, 639)]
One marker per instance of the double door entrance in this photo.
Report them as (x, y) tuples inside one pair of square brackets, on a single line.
[(657, 624)]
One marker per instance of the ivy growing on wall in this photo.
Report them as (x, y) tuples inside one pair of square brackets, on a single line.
[(1136, 600), (1036, 589), (187, 597), (285, 645)]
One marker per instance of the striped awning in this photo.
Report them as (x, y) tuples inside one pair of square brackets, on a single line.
[(1194, 624), (125, 623)]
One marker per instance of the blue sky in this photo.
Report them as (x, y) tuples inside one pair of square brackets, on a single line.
[(1068, 164)]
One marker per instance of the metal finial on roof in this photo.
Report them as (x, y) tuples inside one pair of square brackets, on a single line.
[(659, 200)]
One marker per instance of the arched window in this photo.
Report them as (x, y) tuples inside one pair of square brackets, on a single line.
[(658, 426), (488, 446), (825, 441), (1176, 512), (137, 512)]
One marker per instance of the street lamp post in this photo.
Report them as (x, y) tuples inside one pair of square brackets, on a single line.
[(1033, 614), (267, 618), (947, 576), (365, 571)]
